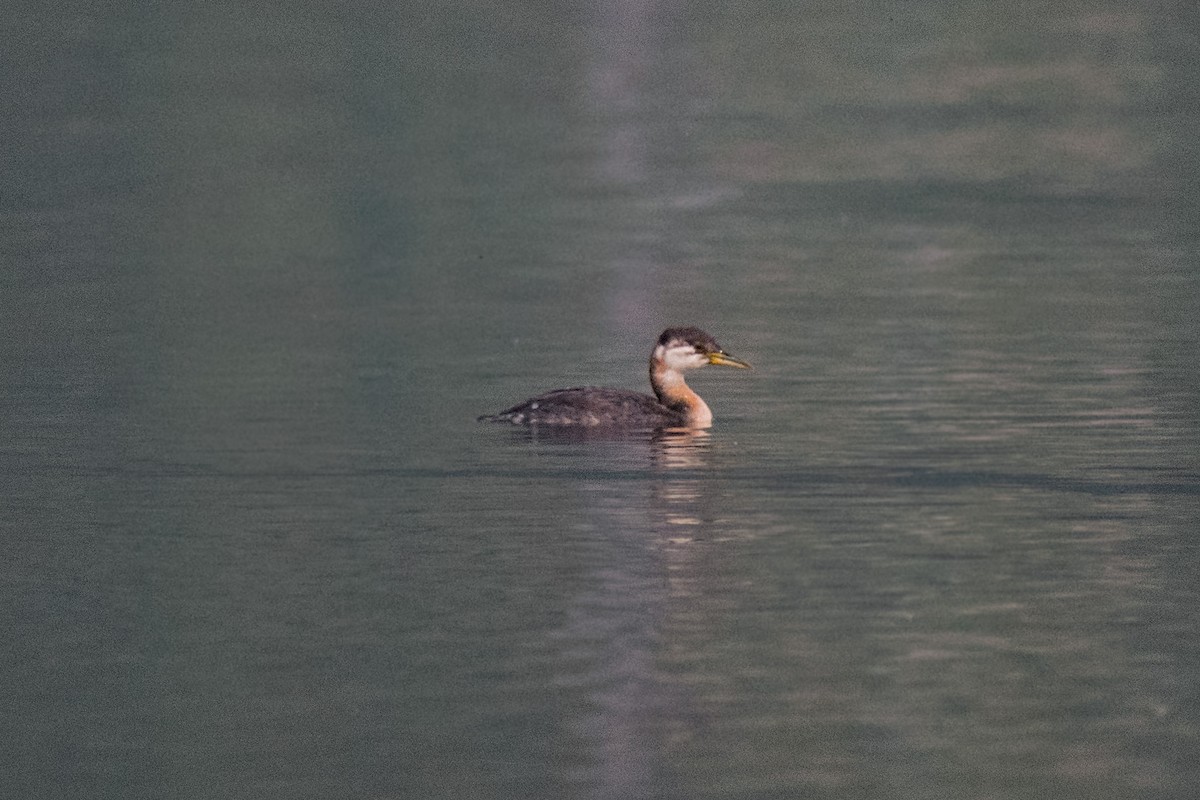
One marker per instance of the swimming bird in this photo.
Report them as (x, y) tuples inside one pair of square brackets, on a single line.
[(674, 404)]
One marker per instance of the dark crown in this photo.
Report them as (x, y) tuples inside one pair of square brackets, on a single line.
[(693, 336)]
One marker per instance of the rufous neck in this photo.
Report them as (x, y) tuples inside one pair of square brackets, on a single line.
[(673, 392)]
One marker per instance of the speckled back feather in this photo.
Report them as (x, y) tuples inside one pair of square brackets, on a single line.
[(591, 406)]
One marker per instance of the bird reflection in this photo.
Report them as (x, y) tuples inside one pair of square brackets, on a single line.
[(649, 504)]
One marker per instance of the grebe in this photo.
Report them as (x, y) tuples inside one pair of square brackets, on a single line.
[(674, 404)]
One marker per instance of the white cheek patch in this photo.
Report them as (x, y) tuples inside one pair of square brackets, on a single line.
[(680, 357)]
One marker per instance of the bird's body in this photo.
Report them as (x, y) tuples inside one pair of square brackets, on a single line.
[(674, 404), (592, 406)]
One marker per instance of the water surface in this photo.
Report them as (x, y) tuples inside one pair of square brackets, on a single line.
[(266, 266)]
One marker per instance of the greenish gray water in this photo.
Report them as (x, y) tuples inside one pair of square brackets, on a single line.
[(265, 266)]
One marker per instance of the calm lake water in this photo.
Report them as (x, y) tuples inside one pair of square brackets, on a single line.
[(265, 266)]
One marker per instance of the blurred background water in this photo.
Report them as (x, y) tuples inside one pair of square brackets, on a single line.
[(266, 263)]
